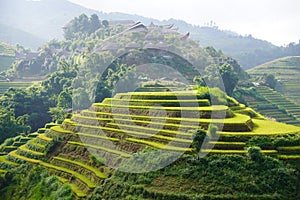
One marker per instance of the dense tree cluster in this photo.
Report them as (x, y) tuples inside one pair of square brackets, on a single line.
[(83, 25), (11, 126)]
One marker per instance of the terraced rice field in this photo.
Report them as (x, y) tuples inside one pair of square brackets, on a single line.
[(287, 112), (274, 105), (287, 70), (4, 86), (113, 130)]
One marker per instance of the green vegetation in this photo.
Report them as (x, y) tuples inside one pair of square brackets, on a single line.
[(267, 127), (102, 148), (11, 125), (7, 56), (159, 145), (32, 182), (94, 170), (215, 177), (4, 86), (82, 178), (271, 104), (286, 71), (78, 192), (152, 126)]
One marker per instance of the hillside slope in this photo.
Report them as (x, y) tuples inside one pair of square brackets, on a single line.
[(85, 150), (13, 36), (7, 56), (36, 18), (287, 71)]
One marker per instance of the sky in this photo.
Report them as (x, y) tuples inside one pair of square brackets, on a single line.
[(277, 21)]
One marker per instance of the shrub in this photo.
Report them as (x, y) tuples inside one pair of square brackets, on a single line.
[(212, 131), (254, 153), (262, 142), (198, 138), (96, 160)]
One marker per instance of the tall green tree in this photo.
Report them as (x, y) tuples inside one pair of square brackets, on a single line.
[(270, 80), (230, 77), (10, 126), (94, 23)]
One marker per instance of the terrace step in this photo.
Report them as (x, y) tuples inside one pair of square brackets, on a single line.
[(171, 126), (239, 121), (17, 144), (158, 145), (75, 189), (7, 164), (135, 133), (9, 149), (44, 137), (172, 95), (81, 178), (221, 145), (288, 157), (289, 150), (162, 102), (218, 111), (24, 150), (93, 174), (113, 151), (217, 151), (33, 145), (33, 135)]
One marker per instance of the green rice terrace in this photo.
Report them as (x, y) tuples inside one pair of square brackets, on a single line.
[(287, 71), (4, 85), (273, 104), (138, 122)]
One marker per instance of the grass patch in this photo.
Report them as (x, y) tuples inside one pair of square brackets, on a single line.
[(228, 143), (217, 151), (61, 130), (291, 148), (267, 128), (159, 145), (289, 157), (44, 137)]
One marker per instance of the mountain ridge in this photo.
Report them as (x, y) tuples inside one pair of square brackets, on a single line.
[(45, 19)]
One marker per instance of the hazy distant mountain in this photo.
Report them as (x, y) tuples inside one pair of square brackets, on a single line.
[(14, 36), (44, 18), (44, 21)]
